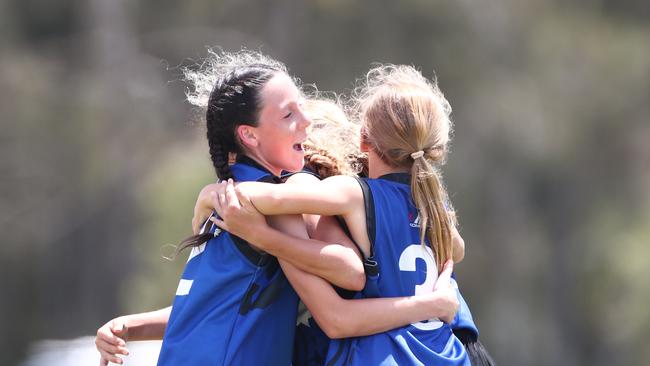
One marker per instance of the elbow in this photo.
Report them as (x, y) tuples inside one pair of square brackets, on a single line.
[(357, 276), (335, 322), (357, 281), (332, 332), (336, 329), (459, 254), (458, 248)]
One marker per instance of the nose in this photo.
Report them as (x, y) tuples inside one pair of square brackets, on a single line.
[(304, 121)]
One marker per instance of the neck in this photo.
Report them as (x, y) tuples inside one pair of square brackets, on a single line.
[(275, 171), (377, 167)]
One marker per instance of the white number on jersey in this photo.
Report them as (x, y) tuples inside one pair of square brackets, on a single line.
[(407, 263)]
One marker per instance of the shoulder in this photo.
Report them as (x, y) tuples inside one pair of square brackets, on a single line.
[(345, 182), (345, 187), (302, 177)]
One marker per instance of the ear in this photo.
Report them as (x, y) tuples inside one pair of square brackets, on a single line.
[(364, 146), (248, 136)]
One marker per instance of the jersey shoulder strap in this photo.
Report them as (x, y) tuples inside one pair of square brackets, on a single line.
[(370, 265)]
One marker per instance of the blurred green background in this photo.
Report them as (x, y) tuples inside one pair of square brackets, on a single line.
[(101, 158)]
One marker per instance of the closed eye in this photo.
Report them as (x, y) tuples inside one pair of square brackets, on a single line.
[(288, 115)]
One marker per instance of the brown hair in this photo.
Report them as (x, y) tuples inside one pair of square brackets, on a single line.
[(227, 87), (332, 144), (406, 120)]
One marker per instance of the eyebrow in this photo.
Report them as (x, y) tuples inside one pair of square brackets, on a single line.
[(289, 104)]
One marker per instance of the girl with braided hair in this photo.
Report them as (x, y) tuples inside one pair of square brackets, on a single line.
[(400, 216), (233, 304)]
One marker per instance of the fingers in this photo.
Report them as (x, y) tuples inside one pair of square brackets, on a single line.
[(231, 197), (111, 348), (107, 336), (120, 329), (244, 200), (220, 223), (109, 342), (444, 279), (447, 270), (218, 198), (216, 203), (221, 195), (225, 198), (105, 358), (203, 207), (109, 352)]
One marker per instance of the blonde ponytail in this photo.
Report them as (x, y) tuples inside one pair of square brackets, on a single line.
[(429, 196), (407, 122)]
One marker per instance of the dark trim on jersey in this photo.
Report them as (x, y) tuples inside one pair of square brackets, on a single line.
[(286, 175), (244, 159), (255, 257), (245, 248), (346, 230), (266, 262), (339, 352), (369, 205), (268, 295), (404, 178), (370, 266)]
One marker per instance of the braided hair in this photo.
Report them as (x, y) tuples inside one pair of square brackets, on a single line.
[(228, 87)]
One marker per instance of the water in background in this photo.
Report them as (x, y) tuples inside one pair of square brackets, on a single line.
[(82, 351)]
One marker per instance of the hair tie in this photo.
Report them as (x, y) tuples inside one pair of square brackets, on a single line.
[(417, 154)]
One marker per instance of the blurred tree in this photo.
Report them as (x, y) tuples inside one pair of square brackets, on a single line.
[(549, 170)]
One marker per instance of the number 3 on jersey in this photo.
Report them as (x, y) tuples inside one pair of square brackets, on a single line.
[(407, 263)]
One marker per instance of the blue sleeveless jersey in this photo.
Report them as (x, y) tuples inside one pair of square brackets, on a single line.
[(404, 268), (463, 321), (233, 305)]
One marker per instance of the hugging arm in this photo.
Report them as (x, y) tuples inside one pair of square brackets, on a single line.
[(112, 337), (336, 195), (341, 318), (336, 260), (337, 317)]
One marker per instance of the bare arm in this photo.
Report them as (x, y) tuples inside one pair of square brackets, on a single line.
[(341, 318), (458, 245), (337, 195), (336, 263), (111, 337), (339, 264), (147, 326), (338, 317)]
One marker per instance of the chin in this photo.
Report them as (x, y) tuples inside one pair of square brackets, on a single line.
[(297, 166)]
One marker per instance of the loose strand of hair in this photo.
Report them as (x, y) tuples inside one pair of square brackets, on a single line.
[(190, 242)]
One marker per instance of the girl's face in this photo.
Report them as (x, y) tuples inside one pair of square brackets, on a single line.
[(282, 127)]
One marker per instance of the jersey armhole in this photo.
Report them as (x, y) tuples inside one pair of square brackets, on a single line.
[(369, 205), (256, 258), (347, 232)]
